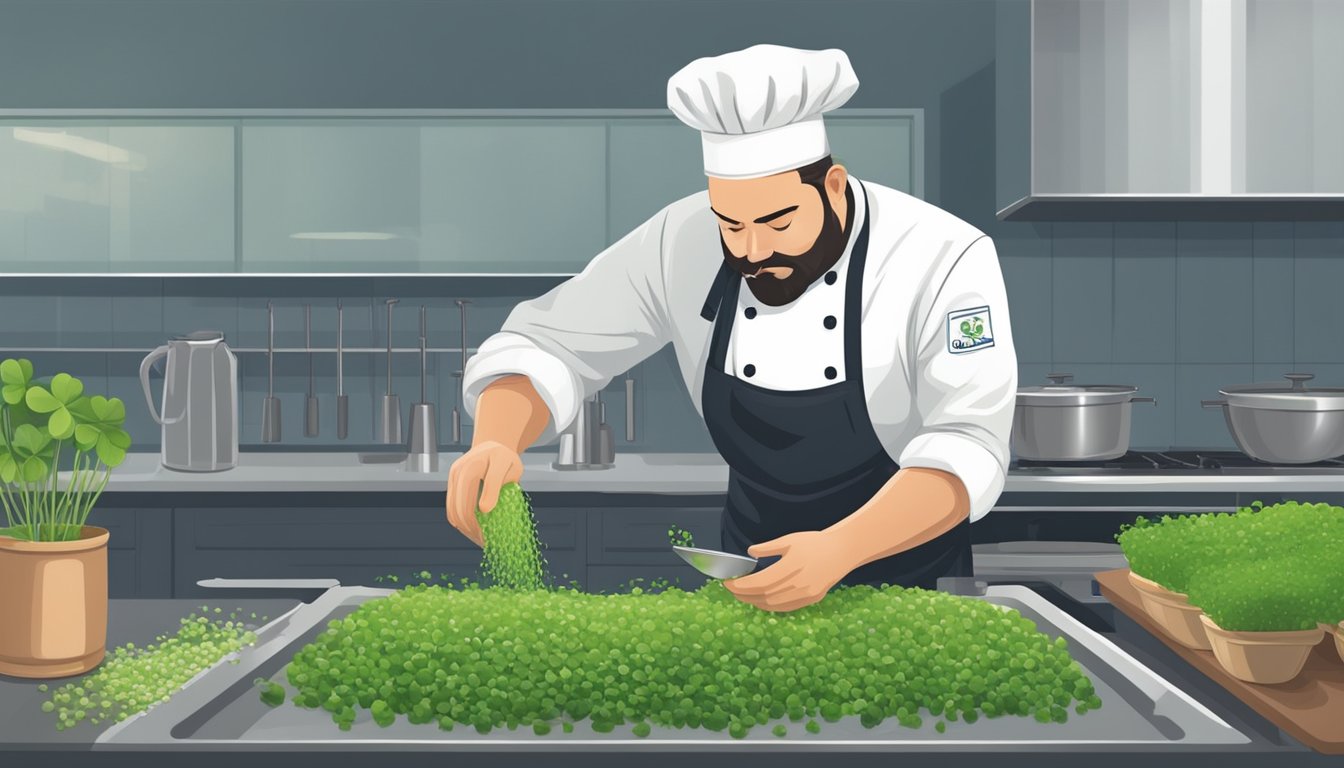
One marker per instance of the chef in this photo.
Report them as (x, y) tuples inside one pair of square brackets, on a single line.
[(847, 345)]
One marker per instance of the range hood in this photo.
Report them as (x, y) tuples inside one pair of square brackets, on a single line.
[(1173, 109)]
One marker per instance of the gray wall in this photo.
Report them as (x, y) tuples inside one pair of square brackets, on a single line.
[(1178, 308)]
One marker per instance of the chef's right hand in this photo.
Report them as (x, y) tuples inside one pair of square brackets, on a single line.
[(479, 473)]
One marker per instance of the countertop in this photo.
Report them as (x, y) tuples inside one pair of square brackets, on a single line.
[(23, 724), (26, 731), (660, 473)]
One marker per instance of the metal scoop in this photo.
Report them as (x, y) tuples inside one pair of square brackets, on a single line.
[(714, 564), (270, 407)]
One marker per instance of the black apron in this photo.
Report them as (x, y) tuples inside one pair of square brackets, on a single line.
[(804, 460)]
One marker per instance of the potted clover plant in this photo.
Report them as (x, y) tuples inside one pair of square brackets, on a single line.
[(53, 567)]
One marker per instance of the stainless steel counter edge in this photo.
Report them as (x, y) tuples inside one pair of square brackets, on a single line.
[(663, 473)]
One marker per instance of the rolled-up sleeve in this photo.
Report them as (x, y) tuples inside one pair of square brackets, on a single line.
[(965, 391), (573, 340)]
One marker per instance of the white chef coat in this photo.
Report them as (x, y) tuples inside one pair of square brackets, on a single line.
[(790, 347), (933, 403)]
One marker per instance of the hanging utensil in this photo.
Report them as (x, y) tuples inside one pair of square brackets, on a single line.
[(310, 421), (342, 401), (391, 432), (423, 448), (461, 374), (270, 408), (630, 406)]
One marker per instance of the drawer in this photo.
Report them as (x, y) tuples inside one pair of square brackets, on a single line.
[(360, 567), (330, 528), (638, 535), (123, 578), (612, 578), (122, 526)]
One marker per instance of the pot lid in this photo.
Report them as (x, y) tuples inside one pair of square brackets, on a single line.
[(200, 336), (1297, 396), (1059, 392)]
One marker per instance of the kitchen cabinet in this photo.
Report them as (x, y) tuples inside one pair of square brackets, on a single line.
[(139, 549), (600, 543), (638, 536), (1191, 109), (626, 543), (80, 196), (368, 192), (654, 161), (354, 545), (512, 196)]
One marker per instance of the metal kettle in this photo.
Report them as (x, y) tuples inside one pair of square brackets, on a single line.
[(199, 410)]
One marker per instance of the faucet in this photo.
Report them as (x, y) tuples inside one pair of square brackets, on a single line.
[(587, 444)]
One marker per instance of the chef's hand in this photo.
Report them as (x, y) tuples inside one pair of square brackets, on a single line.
[(810, 564), (481, 471)]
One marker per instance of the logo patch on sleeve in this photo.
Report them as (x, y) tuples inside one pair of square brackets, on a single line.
[(969, 330)]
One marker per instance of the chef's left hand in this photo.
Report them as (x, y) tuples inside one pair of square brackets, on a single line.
[(810, 563)]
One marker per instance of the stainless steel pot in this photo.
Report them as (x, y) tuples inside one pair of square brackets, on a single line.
[(1285, 425), (1071, 422)]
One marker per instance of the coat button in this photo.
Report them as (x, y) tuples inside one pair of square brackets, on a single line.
[(750, 312), (830, 277), (830, 372), (749, 370), (829, 322)]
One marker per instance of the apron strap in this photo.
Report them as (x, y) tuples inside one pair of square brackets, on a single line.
[(711, 308), (858, 256)]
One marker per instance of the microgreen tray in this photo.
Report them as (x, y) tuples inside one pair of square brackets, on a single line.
[(221, 709)]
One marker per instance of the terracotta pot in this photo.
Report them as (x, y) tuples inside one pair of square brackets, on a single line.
[(1172, 611), (53, 605), (1262, 657)]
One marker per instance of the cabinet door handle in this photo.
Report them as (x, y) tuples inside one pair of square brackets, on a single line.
[(268, 583)]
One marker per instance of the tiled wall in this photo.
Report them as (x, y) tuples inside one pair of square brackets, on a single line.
[(137, 314), (1178, 309)]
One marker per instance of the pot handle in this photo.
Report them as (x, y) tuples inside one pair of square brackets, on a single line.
[(1059, 378), (1212, 403), (1299, 380), (1152, 400), (144, 380)]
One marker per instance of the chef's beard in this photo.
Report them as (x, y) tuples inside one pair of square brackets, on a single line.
[(807, 266)]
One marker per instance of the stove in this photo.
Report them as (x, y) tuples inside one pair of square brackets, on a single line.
[(1192, 462)]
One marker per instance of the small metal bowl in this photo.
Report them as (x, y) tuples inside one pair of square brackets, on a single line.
[(716, 565)]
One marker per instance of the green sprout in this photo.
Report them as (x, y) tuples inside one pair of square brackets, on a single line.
[(38, 422), (680, 537), (1274, 568)]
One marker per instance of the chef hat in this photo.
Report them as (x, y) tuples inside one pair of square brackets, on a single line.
[(759, 110)]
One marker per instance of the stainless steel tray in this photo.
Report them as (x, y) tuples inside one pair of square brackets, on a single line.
[(221, 709)]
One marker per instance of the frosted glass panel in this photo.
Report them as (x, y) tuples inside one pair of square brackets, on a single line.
[(521, 194), (54, 183), (322, 198), (123, 198), (1295, 96), (172, 203), (513, 196), (1115, 96), (879, 150), (653, 163)]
